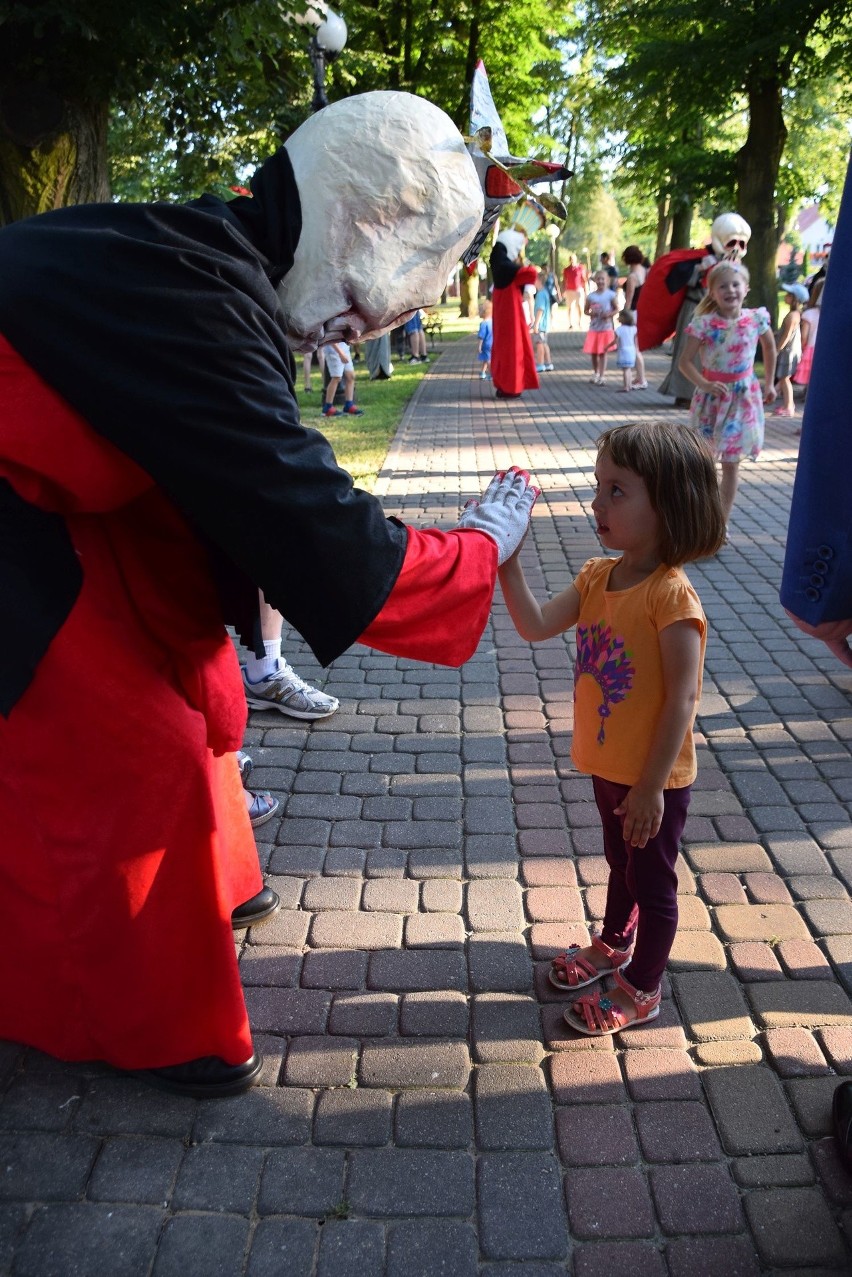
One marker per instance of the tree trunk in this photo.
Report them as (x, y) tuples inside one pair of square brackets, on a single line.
[(758, 163), (469, 295), (680, 211), (68, 167), (664, 225)]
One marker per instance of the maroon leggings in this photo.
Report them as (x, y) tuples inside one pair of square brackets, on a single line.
[(641, 895)]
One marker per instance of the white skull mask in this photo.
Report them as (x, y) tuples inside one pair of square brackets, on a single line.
[(390, 199), (730, 235)]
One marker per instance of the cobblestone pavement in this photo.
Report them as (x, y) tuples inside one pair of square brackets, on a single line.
[(423, 1111)]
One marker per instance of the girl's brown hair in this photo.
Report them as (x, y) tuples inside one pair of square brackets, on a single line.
[(707, 305), (680, 474)]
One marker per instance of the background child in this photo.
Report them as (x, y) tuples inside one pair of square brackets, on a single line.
[(727, 407), (600, 307), (625, 339), (413, 329), (486, 337), (338, 361), (637, 680), (541, 325), (789, 350), (810, 324)]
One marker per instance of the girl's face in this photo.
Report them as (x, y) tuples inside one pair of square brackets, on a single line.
[(601, 280), (625, 518), (729, 291)]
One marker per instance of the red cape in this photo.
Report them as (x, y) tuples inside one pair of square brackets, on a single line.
[(656, 317), (126, 844)]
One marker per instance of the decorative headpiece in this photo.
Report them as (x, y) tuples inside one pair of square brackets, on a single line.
[(529, 217), (505, 178)]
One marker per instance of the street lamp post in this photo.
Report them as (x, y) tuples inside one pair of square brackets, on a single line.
[(325, 44)]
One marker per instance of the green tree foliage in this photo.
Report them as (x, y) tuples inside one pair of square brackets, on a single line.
[(199, 89), (65, 63), (688, 70)]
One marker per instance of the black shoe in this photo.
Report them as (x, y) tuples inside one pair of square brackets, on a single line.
[(841, 1109), (261, 906), (504, 394), (206, 1079)]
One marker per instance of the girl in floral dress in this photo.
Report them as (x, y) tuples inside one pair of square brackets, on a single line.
[(727, 404)]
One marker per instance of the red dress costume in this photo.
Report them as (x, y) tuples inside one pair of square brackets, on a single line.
[(512, 358), (140, 451)]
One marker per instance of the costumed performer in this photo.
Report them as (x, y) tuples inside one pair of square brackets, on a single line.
[(816, 587), (154, 475), (512, 359), (673, 288)]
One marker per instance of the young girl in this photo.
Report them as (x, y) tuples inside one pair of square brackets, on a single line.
[(637, 265), (627, 357), (727, 407), (600, 307), (810, 324), (637, 681), (789, 346), (486, 337)]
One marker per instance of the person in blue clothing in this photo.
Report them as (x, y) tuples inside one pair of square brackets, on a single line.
[(413, 329), (541, 325), (486, 339)]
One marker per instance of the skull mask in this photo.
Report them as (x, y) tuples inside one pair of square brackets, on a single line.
[(730, 235)]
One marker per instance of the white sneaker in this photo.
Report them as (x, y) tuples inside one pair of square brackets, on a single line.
[(289, 694)]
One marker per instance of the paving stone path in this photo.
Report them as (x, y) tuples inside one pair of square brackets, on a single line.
[(422, 1110)]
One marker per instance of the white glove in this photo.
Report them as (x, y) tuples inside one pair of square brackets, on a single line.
[(503, 511)]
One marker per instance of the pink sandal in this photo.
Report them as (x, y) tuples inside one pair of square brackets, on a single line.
[(596, 1015), (570, 972)]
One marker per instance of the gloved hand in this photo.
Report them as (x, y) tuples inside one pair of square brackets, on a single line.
[(503, 511)]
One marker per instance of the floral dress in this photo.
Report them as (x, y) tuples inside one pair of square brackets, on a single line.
[(732, 419)]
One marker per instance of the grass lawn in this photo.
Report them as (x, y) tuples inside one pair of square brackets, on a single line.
[(361, 443)]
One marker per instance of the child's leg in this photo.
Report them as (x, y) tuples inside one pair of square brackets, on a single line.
[(785, 390), (349, 385), (602, 370), (620, 914), (627, 374), (728, 485), (331, 390), (652, 880)]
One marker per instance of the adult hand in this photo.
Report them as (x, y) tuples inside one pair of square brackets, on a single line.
[(833, 633), (503, 511)]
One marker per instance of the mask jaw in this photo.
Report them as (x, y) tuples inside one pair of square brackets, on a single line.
[(730, 235)]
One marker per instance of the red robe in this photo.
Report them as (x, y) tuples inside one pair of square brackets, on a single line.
[(126, 844), (512, 359)]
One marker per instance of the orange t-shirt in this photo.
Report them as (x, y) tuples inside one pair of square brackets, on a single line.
[(618, 674)]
